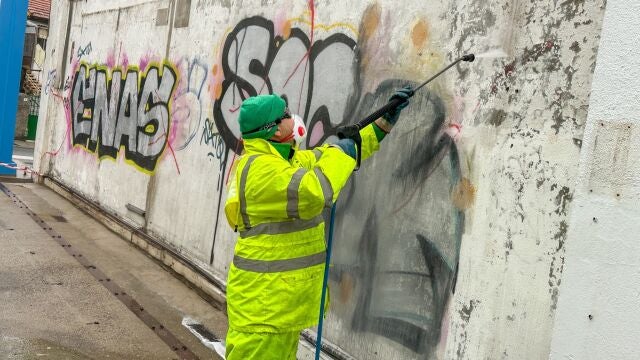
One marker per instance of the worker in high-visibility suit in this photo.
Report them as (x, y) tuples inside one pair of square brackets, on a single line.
[(275, 202)]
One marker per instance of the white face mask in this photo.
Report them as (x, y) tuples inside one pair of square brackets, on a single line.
[(299, 130)]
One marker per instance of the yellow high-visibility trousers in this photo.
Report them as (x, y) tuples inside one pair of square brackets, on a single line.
[(261, 346)]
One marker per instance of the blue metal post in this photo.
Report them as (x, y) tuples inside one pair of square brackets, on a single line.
[(13, 22)]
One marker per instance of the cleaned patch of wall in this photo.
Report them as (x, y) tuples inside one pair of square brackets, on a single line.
[(449, 242), (597, 316)]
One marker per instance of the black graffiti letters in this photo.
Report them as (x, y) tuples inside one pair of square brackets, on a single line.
[(255, 60), (131, 110)]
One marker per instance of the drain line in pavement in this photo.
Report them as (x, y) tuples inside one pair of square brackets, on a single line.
[(163, 333)]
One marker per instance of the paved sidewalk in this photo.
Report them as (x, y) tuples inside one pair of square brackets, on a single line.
[(68, 302)]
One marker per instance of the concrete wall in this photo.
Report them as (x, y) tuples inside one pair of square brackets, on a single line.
[(597, 315), (449, 242)]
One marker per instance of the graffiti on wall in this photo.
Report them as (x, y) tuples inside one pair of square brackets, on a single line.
[(321, 78), (256, 60), (51, 79), (190, 98), (112, 109), (84, 51)]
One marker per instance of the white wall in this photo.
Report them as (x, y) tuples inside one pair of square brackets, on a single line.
[(597, 316), (485, 208)]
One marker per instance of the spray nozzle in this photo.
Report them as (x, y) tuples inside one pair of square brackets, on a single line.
[(468, 57)]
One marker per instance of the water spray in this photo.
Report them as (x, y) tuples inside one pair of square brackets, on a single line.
[(353, 131)]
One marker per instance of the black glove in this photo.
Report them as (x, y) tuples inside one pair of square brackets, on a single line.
[(404, 94)]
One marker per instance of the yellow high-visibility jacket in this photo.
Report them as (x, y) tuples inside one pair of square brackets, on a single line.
[(276, 204)]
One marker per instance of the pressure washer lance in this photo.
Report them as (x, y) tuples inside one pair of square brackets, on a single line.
[(353, 131)]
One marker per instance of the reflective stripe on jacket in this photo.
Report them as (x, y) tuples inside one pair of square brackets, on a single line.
[(275, 279)]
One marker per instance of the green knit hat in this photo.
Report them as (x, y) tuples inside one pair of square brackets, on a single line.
[(258, 115)]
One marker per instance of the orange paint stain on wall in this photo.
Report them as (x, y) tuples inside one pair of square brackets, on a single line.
[(286, 29), (217, 90), (215, 85), (370, 21), (464, 194), (420, 34)]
